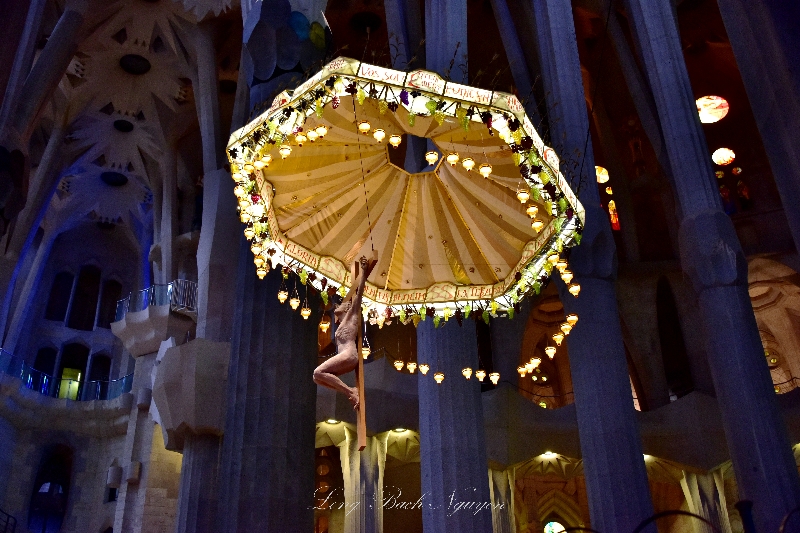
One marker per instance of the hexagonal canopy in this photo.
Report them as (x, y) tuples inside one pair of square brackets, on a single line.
[(447, 236)]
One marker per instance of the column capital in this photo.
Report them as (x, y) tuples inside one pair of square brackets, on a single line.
[(710, 251)]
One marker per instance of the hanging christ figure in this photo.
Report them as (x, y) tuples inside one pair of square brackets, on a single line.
[(348, 320)]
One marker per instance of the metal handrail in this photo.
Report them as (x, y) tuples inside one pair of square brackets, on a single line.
[(47, 385), (180, 295)]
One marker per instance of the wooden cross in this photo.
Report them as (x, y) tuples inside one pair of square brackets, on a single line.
[(361, 412)]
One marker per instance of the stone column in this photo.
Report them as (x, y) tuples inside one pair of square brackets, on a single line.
[(452, 440), (446, 30), (507, 335), (267, 480), (704, 499), (712, 258), (167, 228), (767, 57), (363, 482), (501, 486), (616, 478)]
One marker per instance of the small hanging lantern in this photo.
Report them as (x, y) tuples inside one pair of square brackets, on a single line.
[(285, 150), (379, 134), (558, 337), (550, 351), (452, 158), (412, 366), (282, 295), (249, 232), (494, 377), (485, 170), (521, 370), (431, 157), (322, 130), (255, 247), (532, 211), (364, 127), (528, 367), (245, 217), (312, 135), (439, 377), (294, 303), (266, 159), (574, 289), (562, 265), (365, 348), (566, 327), (244, 203), (248, 167), (239, 191), (423, 369), (261, 272), (398, 364), (523, 195), (467, 372), (468, 163), (537, 225), (536, 362), (566, 276), (480, 374), (300, 138), (572, 319), (395, 140), (324, 324), (258, 261), (305, 312), (553, 259), (259, 164)]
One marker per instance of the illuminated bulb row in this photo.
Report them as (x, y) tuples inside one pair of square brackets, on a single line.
[(294, 303)]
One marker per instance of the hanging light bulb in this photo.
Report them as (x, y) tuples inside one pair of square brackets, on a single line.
[(536, 362), (324, 324), (485, 170), (300, 138), (468, 163), (255, 247), (480, 374), (294, 303), (523, 195), (364, 127), (259, 164), (239, 191), (431, 157), (248, 167), (244, 203), (245, 217), (282, 295), (322, 130), (550, 351), (249, 232), (261, 272), (305, 312), (572, 319), (528, 367), (312, 135), (379, 134), (452, 158), (365, 348), (395, 140), (566, 276), (552, 258), (544, 378), (399, 365), (266, 159), (494, 377), (412, 366), (566, 327), (258, 260), (467, 372), (574, 289), (423, 369), (532, 211), (439, 377), (558, 337), (537, 225), (521, 370), (562, 265), (285, 150)]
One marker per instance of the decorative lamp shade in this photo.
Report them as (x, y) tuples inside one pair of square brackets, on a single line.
[(300, 139), (305, 312), (258, 260), (532, 210), (267, 159), (494, 377), (261, 272), (536, 362), (522, 370), (423, 369), (282, 295), (566, 327), (412, 366), (322, 130), (602, 174), (574, 289), (312, 135), (452, 158), (431, 157), (340, 196), (249, 232), (528, 368), (550, 351), (398, 364), (294, 303), (467, 372), (566, 276), (558, 338), (572, 319), (324, 325), (480, 374), (439, 377), (523, 195), (562, 265)]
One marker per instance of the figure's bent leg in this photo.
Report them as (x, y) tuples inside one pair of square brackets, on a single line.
[(327, 373)]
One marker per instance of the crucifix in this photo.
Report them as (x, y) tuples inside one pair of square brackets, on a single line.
[(349, 341)]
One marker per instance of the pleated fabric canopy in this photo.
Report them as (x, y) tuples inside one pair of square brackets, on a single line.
[(322, 181)]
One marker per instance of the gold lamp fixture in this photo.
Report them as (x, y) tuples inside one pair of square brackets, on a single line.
[(364, 127), (439, 377), (572, 319), (574, 289), (480, 374), (529, 366), (558, 337), (255, 247), (553, 259), (536, 362), (305, 312), (485, 170), (468, 163), (532, 211), (261, 272), (282, 295), (266, 159), (522, 370), (395, 140), (566, 327), (300, 138), (452, 158), (523, 195), (365, 348), (467, 372), (431, 157), (423, 368), (321, 130), (249, 232), (537, 225), (324, 324), (285, 150), (258, 261), (494, 377), (294, 303), (379, 135), (550, 351), (312, 135), (562, 265), (412, 366), (398, 364), (566, 276)]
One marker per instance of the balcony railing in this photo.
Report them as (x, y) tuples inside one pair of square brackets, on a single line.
[(180, 295), (64, 388)]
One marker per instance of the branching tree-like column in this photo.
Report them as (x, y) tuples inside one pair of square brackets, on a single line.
[(616, 478), (712, 258)]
